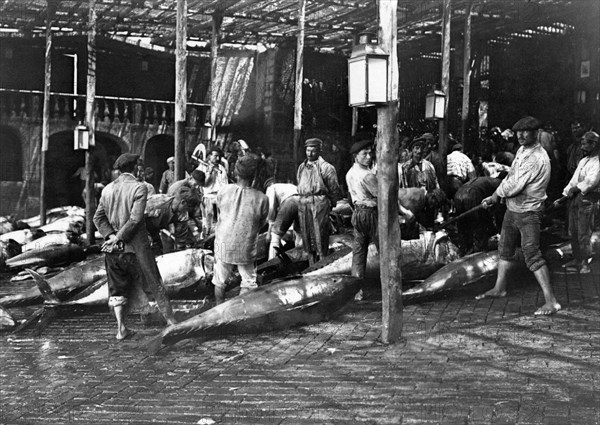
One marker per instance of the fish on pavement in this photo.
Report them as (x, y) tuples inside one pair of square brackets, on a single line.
[(22, 236), (51, 239), (71, 223), (295, 301), (7, 322), (465, 271), (564, 250), (54, 214), (49, 256)]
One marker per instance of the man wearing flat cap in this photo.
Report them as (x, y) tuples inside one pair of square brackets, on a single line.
[(583, 191), (216, 179), (242, 212), (524, 190), (362, 187), (168, 177), (128, 256), (319, 191)]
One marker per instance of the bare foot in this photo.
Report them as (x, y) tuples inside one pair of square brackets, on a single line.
[(123, 333), (548, 309), (492, 293)]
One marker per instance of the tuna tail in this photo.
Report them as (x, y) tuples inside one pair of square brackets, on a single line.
[(285, 259), (44, 287)]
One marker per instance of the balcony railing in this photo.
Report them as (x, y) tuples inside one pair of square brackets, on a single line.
[(29, 103)]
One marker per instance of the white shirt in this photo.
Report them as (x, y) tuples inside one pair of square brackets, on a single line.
[(586, 176)]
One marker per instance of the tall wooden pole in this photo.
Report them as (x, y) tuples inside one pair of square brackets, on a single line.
[(299, 79), (466, 80), (446, 18), (387, 177), (90, 118), (46, 110), (354, 123), (217, 19), (180, 88)]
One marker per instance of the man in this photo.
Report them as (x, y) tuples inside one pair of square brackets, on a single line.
[(583, 191), (216, 178), (524, 190), (460, 169), (163, 211), (149, 178), (574, 152), (195, 182), (141, 176), (432, 155), (319, 191), (418, 172), (120, 220), (168, 176), (362, 187), (242, 212), (283, 212)]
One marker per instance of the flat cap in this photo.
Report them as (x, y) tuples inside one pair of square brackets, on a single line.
[(427, 136), (457, 147), (243, 144), (170, 159), (527, 123), (246, 166), (418, 142), (313, 142), (360, 145), (126, 161), (592, 136)]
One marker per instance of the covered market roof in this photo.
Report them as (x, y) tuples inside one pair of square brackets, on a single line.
[(331, 25)]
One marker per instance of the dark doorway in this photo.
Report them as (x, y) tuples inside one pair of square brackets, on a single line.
[(64, 182), (11, 159), (158, 149)]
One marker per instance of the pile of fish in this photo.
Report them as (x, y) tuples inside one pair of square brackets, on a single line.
[(26, 243)]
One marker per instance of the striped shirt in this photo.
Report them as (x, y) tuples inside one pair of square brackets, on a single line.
[(460, 165)]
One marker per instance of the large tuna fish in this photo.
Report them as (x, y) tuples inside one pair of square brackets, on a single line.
[(76, 277), (8, 249), (71, 223), (22, 236), (420, 258), (565, 250), (51, 239), (469, 269), (181, 269), (55, 214), (49, 256), (291, 302)]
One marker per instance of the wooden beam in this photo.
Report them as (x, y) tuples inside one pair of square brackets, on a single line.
[(180, 89), (90, 119), (214, 52), (466, 80), (443, 125), (299, 79), (387, 177), (46, 110)]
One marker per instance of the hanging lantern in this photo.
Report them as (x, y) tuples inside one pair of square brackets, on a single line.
[(81, 137), (435, 103), (367, 73)]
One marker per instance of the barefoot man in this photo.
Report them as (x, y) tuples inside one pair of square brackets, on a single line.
[(524, 190)]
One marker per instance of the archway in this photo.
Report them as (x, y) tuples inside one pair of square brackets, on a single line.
[(11, 160), (156, 152), (64, 165)]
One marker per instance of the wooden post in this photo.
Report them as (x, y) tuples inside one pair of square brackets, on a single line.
[(180, 89), (443, 129), (217, 19), (299, 79), (354, 123), (387, 177), (46, 110), (466, 80), (90, 119)]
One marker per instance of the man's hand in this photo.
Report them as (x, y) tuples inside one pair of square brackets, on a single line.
[(490, 200), (110, 244), (573, 192)]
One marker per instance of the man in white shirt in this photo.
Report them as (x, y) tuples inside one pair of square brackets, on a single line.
[(216, 179), (583, 191), (283, 212)]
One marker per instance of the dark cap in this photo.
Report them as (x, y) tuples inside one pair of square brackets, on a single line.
[(246, 166), (427, 136), (360, 145), (591, 135), (126, 161), (313, 142), (457, 147), (418, 142), (527, 123)]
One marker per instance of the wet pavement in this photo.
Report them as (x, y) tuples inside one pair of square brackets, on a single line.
[(460, 361)]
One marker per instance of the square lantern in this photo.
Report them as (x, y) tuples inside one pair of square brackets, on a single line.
[(435, 103), (367, 74), (81, 137)]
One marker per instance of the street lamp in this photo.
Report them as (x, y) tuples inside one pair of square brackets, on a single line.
[(81, 137), (367, 73), (435, 103)]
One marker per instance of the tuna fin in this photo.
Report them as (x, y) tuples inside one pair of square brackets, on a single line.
[(155, 344), (35, 316), (285, 259), (44, 287)]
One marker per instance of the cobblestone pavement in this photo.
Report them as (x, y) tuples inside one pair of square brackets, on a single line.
[(461, 361)]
